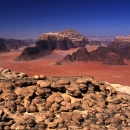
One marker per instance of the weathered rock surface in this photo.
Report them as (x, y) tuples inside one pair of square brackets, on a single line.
[(84, 103), (77, 39), (51, 41), (80, 55)]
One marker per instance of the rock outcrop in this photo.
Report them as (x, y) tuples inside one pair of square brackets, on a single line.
[(120, 48), (113, 54), (79, 102), (31, 53), (3, 47), (80, 55), (101, 54), (51, 41)]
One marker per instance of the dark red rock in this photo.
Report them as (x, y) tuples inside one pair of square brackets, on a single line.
[(80, 55)]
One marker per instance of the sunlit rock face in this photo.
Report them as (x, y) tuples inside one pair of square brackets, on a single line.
[(123, 38)]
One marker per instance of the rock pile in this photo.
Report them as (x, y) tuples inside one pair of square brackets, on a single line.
[(62, 103), (8, 74)]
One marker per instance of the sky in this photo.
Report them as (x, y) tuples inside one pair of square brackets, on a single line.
[(23, 19)]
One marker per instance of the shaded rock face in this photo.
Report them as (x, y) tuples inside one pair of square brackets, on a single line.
[(79, 102), (101, 54), (80, 55), (120, 48), (111, 59), (94, 43), (51, 42), (2, 45), (31, 53)]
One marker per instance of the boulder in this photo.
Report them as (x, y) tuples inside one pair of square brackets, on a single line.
[(43, 84)]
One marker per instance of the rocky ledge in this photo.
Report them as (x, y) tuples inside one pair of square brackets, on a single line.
[(61, 103)]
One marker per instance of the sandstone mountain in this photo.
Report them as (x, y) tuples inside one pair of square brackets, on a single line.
[(79, 55), (121, 46), (31, 53), (77, 39), (113, 54), (101, 54), (50, 41), (61, 103)]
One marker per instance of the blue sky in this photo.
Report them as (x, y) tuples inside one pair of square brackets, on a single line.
[(31, 18)]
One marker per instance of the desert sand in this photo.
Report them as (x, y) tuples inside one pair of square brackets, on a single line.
[(45, 65)]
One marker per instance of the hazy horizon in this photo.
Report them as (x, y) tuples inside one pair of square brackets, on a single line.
[(25, 19)]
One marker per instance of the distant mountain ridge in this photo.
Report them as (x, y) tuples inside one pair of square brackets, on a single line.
[(13, 44)]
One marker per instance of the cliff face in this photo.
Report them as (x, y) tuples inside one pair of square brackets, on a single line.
[(54, 41), (2, 45), (76, 38)]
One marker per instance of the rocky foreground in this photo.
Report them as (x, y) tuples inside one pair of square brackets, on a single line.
[(61, 103)]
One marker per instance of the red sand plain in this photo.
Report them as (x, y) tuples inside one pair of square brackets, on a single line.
[(45, 65)]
